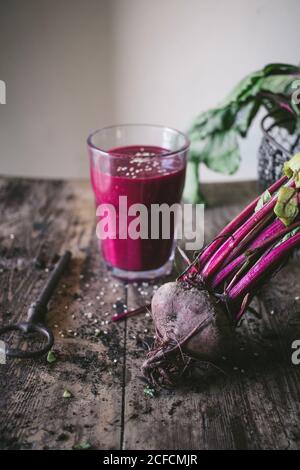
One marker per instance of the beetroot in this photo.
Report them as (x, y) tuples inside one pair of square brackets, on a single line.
[(178, 310), (196, 315), (186, 318)]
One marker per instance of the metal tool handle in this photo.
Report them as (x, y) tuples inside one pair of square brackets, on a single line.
[(38, 309), (36, 314), (27, 328)]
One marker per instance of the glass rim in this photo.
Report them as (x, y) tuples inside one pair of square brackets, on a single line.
[(170, 153)]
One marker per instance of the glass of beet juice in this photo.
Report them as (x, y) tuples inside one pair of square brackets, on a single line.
[(138, 164)]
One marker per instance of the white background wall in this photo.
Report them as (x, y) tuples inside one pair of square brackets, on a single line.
[(71, 66)]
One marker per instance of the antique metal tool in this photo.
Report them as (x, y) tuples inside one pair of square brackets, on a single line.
[(36, 315)]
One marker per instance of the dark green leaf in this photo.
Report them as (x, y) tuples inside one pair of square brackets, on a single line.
[(244, 88), (82, 446), (280, 84), (214, 133), (279, 68), (265, 197), (221, 152), (51, 357), (246, 116), (191, 189), (211, 122)]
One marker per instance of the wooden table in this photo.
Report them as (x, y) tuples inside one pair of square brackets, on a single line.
[(252, 401)]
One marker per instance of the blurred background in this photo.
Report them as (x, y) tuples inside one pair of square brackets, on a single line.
[(72, 66)]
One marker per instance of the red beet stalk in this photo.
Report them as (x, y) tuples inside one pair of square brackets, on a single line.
[(236, 223), (267, 264), (247, 231), (276, 228)]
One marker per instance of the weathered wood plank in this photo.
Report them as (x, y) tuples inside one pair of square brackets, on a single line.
[(254, 403), (47, 218)]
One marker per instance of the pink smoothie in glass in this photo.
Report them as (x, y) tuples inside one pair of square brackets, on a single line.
[(147, 178)]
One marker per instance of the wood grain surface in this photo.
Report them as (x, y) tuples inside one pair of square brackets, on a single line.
[(249, 401)]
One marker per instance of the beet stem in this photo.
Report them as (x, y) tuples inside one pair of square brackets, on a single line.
[(131, 313), (236, 223), (231, 243), (266, 264), (271, 234)]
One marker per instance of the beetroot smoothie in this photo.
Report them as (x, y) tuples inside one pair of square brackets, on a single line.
[(145, 175)]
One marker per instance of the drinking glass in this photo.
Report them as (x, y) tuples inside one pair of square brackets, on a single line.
[(130, 166)]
